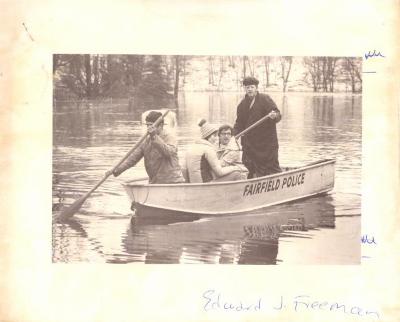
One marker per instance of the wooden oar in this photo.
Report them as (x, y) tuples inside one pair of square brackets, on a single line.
[(252, 126), (71, 210)]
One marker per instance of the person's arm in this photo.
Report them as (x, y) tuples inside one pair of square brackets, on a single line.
[(230, 157), (134, 158), (167, 145), (231, 154), (275, 114), (215, 164)]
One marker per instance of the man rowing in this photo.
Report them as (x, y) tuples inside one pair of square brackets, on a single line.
[(160, 154), (260, 145)]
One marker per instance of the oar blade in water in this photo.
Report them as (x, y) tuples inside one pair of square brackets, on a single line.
[(71, 210)]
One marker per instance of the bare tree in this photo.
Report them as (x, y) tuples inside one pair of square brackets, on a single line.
[(222, 71), (331, 72), (244, 66), (352, 67), (231, 61), (286, 66), (267, 61), (88, 76), (313, 70), (250, 63), (328, 72), (184, 69), (96, 76), (177, 71), (210, 71)]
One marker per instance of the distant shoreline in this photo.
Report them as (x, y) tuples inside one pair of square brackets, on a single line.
[(122, 99)]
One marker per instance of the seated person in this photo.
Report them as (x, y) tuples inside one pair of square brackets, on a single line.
[(229, 150), (202, 163)]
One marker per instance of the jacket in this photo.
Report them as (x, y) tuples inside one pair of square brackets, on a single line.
[(202, 163), (229, 154), (160, 159)]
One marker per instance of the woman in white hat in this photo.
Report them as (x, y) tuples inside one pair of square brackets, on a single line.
[(201, 158)]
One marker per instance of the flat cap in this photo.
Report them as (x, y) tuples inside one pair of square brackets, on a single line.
[(250, 81)]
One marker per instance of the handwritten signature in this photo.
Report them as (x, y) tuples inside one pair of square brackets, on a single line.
[(215, 301), (371, 54)]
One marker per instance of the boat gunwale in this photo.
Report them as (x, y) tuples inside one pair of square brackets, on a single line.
[(208, 184), (219, 213)]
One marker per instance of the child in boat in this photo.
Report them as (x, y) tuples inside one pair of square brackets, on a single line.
[(202, 163)]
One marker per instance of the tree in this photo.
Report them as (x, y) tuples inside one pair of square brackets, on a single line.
[(60, 61), (328, 73), (244, 66), (314, 70), (72, 76), (134, 69), (222, 71), (177, 70), (267, 61), (352, 69), (286, 65), (250, 63), (96, 76), (322, 71), (155, 83), (184, 69), (210, 71), (232, 61)]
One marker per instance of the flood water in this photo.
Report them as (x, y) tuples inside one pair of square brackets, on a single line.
[(91, 138)]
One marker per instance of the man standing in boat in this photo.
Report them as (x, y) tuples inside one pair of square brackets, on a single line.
[(160, 154), (260, 145)]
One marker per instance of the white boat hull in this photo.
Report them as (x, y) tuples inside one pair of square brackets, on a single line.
[(235, 196)]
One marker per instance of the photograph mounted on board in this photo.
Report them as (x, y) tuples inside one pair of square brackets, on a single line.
[(206, 159)]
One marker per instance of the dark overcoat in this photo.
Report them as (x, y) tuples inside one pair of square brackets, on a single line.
[(260, 143)]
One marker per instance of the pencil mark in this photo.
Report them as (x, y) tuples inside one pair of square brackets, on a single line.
[(27, 31), (369, 72), (373, 54)]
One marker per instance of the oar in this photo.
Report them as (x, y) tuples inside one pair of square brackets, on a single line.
[(252, 126), (71, 210)]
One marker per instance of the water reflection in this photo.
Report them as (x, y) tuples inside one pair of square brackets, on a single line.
[(244, 239)]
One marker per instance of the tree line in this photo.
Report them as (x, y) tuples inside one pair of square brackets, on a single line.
[(90, 76)]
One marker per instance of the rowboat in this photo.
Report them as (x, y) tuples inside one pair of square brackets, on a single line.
[(232, 197)]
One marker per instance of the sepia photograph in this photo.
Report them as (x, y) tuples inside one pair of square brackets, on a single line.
[(247, 151), (189, 159)]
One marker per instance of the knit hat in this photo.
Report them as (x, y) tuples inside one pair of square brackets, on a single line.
[(207, 129), (250, 81)]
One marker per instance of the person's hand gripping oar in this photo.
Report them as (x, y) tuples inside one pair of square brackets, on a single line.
[(72, 209), (271, 115)]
